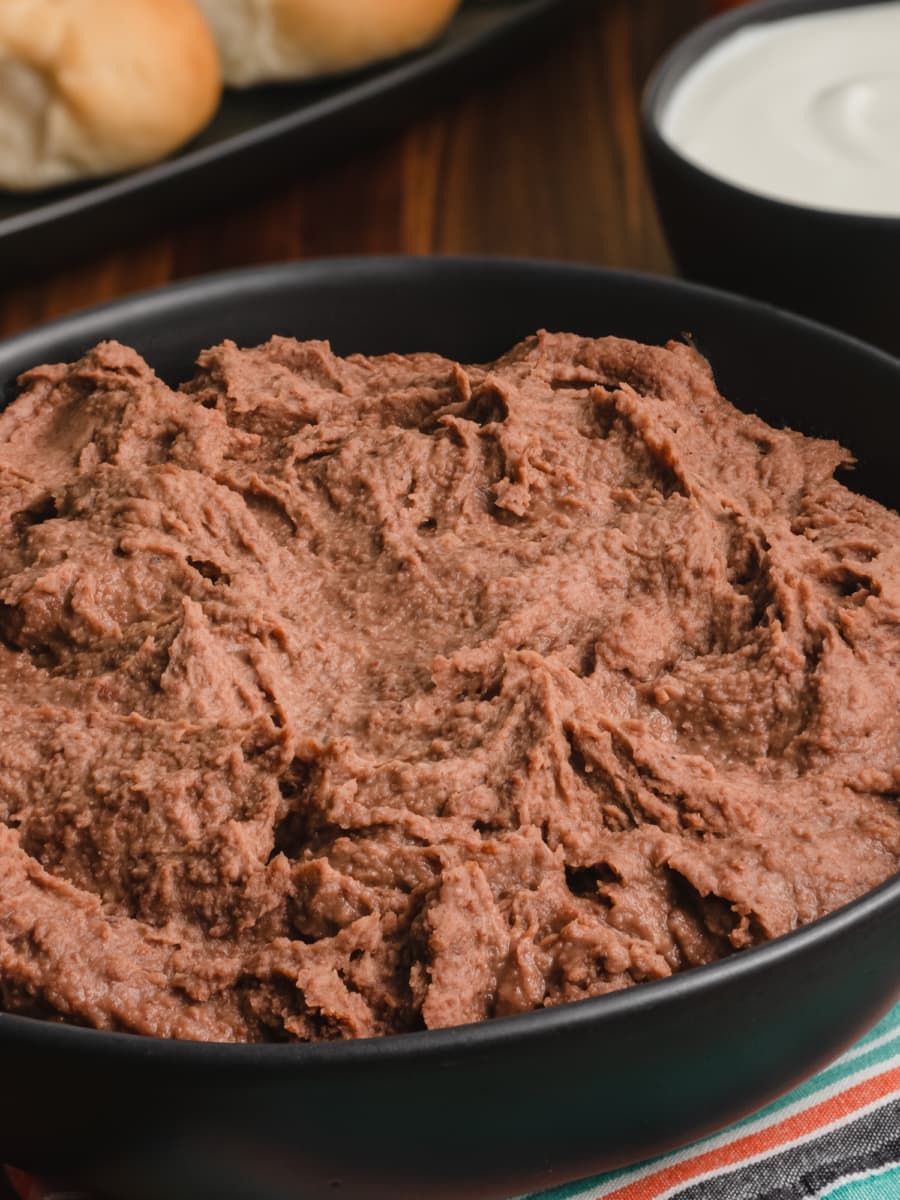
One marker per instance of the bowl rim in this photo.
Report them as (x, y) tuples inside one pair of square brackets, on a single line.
[(494, 1033), (684, 53), (147, 302), (497, 1032)]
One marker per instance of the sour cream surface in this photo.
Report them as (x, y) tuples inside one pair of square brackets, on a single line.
[(805, 110)]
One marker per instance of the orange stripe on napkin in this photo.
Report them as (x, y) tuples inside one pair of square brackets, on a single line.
[(766, 1140)]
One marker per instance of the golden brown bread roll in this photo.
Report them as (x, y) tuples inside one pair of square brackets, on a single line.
[(263, 40), (90, 87)]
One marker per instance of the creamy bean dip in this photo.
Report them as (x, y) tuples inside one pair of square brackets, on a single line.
[(349, 696)]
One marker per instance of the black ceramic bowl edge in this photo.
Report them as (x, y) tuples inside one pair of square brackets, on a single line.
[(764, 1018)]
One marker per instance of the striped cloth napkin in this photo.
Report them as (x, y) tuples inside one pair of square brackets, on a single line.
[(835, 1136)]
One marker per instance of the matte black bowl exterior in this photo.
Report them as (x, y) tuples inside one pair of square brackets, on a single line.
[(838, 267), (523, 1102)]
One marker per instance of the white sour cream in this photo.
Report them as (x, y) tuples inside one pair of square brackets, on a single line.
[(805, 109)]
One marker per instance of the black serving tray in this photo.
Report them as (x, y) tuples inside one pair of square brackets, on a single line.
[(264, 134)]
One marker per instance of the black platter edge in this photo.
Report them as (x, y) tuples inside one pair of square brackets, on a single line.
[(52, 230)]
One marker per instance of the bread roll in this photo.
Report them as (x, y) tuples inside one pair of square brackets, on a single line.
[(263, 40), (90, 87)]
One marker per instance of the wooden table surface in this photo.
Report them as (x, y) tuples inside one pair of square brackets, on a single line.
[(542, 160)]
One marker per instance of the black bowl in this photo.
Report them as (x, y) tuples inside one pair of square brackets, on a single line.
[(839, 267), (522, 1102)]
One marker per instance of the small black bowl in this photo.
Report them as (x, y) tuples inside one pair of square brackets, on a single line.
[(523, 1102), (839, 267)]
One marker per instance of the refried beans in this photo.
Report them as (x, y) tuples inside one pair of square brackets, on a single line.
[(348, 696)]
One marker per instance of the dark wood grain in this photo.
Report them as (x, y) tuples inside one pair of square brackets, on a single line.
[(543, 160)]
